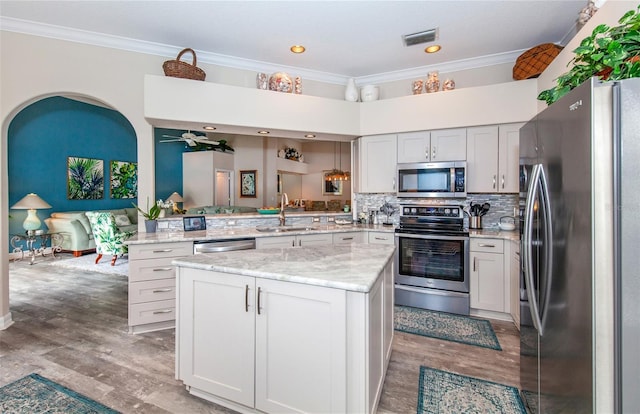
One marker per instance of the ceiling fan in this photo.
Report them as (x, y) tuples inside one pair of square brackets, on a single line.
[(190, 138)]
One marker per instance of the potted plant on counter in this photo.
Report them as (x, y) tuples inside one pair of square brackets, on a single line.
[(150, 216)]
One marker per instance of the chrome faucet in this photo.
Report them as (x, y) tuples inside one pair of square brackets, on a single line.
[(284, 200)]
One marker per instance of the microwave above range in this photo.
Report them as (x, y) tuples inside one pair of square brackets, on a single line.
[(433, 179)]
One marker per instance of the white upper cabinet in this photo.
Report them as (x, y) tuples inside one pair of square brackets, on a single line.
[(378, 157), (509, 157), (482, 159), (492, 159), (426, 146)]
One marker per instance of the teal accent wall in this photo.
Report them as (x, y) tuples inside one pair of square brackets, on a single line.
[(44, 134), (168, 166)]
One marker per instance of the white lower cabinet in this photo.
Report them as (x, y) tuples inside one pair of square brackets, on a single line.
[(152, 284), (381, 237), (263, 345), (294, 241), (349, 237), (487, 276)]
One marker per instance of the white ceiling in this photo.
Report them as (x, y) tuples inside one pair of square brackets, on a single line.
[(360, 39)]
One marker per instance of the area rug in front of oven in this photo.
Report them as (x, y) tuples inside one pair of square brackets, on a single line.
[(447, 326), (442, 392), (36, 394)]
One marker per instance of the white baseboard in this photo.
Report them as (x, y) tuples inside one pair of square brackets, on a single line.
[(6, 321)]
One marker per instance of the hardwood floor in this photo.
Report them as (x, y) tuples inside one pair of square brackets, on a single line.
[(71, 327)]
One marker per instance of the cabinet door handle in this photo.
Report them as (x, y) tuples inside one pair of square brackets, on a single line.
[(259, 306), (300, 243), (394, 183), (293, 243), (486, 245), (433, 152), (246, 298), (503, 181), (162, 311), (163, 269), (475, 259), (426, 153), (162, 290), (494, 181), (163, 251)]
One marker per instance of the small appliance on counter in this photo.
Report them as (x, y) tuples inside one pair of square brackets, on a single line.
[(507, 223)]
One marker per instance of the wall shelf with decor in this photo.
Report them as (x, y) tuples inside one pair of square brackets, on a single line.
[(290, 166)]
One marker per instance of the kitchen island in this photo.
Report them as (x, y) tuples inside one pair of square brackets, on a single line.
[(286, 330)]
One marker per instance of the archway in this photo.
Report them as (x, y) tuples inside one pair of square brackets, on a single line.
[(38, 137)]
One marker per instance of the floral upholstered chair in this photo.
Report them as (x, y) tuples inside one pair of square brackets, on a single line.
[(109, 239)]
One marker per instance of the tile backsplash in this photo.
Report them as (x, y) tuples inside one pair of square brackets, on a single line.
[(501, 205)]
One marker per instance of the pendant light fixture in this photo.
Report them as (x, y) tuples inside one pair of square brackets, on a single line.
[(337, 174)]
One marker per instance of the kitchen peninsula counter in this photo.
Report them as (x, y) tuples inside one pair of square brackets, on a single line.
[(306, 329)]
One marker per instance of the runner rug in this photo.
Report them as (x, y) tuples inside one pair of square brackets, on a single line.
[(442, 392), (36, 394), (447, 326)]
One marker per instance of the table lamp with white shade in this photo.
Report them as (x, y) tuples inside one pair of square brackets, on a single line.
[(31, 202), (176, 198)]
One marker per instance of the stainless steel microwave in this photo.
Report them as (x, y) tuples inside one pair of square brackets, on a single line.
[(433, 179)]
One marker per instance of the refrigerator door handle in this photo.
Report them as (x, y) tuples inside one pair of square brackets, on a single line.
[(527, 242), (547, 268)]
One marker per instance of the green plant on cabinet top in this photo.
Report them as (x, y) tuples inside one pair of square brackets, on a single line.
[(611, 53)]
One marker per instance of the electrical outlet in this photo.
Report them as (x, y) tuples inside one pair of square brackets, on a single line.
[(231, 222), (163, 224), (316, 219), (331, 219)]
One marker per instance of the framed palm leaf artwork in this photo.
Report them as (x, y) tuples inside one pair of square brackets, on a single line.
[(85, 178), (123, 179)]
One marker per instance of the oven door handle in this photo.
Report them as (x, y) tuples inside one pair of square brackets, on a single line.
[(431, 237)]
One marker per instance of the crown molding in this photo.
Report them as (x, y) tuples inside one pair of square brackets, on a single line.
[(159, 49)]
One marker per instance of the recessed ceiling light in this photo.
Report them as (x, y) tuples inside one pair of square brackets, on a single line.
[(263, 132), (432, 49), (309, 135), (298, 49), (209, 128)]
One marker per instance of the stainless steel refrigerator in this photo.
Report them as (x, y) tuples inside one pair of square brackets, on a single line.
[(580, 235)]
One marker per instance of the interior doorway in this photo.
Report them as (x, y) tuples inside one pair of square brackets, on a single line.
[(224, 187)]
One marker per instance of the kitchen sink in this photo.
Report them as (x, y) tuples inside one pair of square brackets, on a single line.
[(283, 229)]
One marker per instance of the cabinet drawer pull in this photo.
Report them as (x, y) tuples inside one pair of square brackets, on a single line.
[(163, 251), (246, 298), (379, 238), (259, 292), (162, 290), (163, 269), (347, 238), (486, 245), (158, 312)]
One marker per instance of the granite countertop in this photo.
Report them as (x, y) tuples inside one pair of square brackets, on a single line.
[(353, 267), (240, 232), (495, 234)]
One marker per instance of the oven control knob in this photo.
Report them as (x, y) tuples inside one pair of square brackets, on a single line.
[(414, 210), (455, 211), (447, 211)]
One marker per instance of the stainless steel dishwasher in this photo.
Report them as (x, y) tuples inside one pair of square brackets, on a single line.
[(224, 245)]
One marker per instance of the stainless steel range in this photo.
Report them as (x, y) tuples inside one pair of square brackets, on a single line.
[(432, 258)]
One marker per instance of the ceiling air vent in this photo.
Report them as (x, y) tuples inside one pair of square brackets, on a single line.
[(420, 37)]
